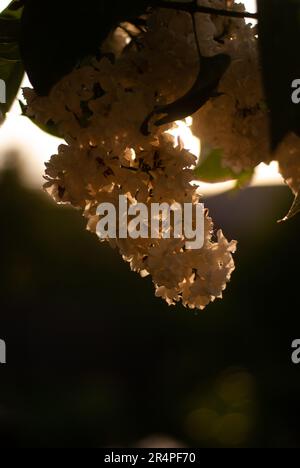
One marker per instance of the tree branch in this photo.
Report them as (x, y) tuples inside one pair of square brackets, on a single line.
[(193, 8)]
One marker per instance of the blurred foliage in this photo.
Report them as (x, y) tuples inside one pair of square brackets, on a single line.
[(95, 360)]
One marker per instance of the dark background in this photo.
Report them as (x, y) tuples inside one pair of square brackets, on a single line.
[(95, 360)]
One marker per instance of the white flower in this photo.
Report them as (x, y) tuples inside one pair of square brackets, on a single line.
[(99, 109)]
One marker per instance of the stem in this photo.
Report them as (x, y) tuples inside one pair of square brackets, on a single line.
[(192, 8), (196, 36)]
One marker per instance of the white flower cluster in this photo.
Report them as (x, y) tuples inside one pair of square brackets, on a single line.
[(237, 122), (86, 177), (99, 109)]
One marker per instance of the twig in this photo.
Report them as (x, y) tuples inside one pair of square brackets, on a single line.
[(192, 8), (196, 37)]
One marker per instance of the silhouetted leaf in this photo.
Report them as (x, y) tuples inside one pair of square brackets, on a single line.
[(279, 34), (12, 72), (49, 128), (11, 68), (295, 209), (56, 35), (10, 22)]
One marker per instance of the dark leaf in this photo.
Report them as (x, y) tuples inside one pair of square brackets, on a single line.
[(49, 128), (11, 68), (56, 35), (12, 73), (279, 34), (9, 30), (295, 209)]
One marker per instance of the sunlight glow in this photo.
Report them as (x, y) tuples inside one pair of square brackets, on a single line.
[(264, 174), (4, 4), (250, 6), (34, 146), (184, 132)]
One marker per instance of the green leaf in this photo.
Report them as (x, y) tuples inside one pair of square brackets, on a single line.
[(13, 11), (211, 170), (11, 72), (10, 22), (244, 179), (9, 29), (49, 128), (11, 68), (9, 52)]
